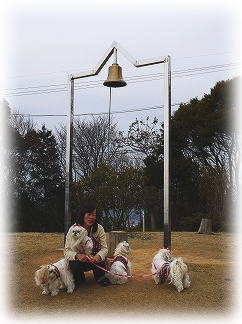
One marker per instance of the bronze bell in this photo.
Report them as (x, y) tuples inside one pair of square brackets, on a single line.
[(115, 78)]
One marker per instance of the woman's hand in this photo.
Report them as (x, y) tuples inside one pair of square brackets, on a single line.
[(96, 258), (81, 248), (84, 257)]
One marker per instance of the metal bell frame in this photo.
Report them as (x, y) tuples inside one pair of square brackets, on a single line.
[(167, 113)]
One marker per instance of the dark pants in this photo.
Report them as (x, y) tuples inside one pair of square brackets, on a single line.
[(78, 268)]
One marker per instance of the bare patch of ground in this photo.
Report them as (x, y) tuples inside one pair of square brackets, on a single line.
[(210, 266)]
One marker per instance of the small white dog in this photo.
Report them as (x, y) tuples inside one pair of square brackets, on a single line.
[(53, 277), (80, 239), (121, 264), (166, 268)]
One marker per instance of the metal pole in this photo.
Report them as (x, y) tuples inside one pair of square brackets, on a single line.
[(115, 56), (69, 149), (109, 122), (143, 218), (167, 114)]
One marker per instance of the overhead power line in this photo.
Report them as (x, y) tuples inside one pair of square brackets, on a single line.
[(43, 89), (75, 69), (127, 78), (95, 114)]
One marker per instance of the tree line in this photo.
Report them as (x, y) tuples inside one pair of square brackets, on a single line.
[(123, 173)]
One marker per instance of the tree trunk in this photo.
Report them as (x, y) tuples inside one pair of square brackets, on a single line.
[(152, 220), (113, 238), (205, 226)]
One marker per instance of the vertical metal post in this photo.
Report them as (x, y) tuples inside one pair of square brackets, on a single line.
[(143, 219), (115, 56), (167, 114), (69, 149), (109, 122)]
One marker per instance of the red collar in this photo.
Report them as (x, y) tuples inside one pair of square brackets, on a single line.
[(165, 270), (122, 259)]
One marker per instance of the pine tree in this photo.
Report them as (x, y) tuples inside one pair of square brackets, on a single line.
[(38, 183)]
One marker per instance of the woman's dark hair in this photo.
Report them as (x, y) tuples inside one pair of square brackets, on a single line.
[(87, 208)]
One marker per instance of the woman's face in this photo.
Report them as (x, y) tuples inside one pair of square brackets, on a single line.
[(89, 218)]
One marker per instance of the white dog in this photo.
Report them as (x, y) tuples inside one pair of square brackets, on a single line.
[(166, 268), (121, 264), (53, 277), (80, 239)]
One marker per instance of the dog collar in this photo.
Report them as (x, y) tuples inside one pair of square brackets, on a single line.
[(122, 259), (165, 270)]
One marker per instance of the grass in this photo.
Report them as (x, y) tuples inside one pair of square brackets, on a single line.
[(209, 262)]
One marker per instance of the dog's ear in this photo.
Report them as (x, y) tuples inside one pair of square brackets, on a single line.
[(180, 259), (168, 255), (43, 274), (125, 247), (80, 238)]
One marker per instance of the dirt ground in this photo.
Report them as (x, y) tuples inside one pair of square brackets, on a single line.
[(207, 256)]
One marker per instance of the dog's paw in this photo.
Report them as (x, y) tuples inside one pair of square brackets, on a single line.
[(44, 292), (179, 288), (70, 291), (187, 285), (156, 280), (54, 293)]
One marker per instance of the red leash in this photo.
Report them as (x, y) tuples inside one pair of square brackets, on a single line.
[(125, 276), (113, 273)]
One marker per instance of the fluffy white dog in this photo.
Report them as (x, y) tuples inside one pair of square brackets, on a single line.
[(121, 264), (53, 277), (166, 268), (80, 239)]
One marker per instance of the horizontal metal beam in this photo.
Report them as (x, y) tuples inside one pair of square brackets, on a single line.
[(124, 53), (107, 56), (136, 63), (98, 67), (152, 61), (81, 75)]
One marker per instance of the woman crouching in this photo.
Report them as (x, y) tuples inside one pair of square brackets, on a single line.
[(79, 261)]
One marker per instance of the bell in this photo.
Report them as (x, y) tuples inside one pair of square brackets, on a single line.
[(115, 79)]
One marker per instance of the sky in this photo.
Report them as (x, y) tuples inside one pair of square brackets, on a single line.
[(44, 42)]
